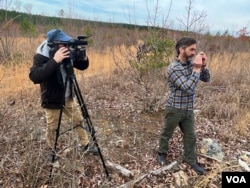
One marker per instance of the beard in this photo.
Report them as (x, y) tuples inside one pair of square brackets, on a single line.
[(188, 57)]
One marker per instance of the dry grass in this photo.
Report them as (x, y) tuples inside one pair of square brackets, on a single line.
[(229, 68), (115, 106), (242, 123), (228, 96)]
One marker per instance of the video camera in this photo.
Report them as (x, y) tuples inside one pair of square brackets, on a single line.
[(75, 46)]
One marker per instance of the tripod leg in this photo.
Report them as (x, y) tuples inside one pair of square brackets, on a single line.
[(57, 133), (55, 145), (87, 119)]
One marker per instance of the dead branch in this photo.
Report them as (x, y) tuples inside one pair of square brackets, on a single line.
[(121, 169), (220, 161), (246, 152), (154, 172), (209, 157), (11, 20)]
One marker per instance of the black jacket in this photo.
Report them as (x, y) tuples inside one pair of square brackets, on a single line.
[(46, 72)]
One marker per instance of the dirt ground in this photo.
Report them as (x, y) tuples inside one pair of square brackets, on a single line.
[(126, 136)]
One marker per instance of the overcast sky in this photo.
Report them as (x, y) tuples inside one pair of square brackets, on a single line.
[(222, 15)]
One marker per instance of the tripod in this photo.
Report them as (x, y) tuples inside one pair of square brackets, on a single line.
[(71, 78)]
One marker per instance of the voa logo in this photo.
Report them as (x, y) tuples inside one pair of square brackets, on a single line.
[(236, 179)]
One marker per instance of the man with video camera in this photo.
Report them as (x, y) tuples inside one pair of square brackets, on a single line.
[(50, 71)]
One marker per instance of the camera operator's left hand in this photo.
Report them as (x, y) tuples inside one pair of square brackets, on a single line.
[(61, 54)]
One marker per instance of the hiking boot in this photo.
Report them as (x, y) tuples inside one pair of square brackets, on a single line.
[(161, 159), (198, 169), (90, 149)]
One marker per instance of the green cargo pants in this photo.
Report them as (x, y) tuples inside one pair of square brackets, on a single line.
[(185, 120)]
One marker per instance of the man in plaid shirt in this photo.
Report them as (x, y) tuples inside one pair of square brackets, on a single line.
[(183, 76)]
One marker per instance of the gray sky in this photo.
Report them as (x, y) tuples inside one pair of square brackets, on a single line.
[(222, 15)]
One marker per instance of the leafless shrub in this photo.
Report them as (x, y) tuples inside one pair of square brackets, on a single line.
[(193, 21)]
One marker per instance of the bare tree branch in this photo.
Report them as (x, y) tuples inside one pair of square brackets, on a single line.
[(193, 20)]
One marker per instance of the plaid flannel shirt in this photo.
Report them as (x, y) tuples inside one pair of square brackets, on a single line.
[(182, 81)]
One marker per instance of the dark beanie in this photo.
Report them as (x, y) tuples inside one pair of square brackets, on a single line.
[(184, 42)]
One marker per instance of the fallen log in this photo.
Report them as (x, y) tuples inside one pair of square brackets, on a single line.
[(246, 152), (154, 172), (121, 169)]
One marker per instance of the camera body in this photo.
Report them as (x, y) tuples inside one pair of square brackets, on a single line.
[(76, 47)]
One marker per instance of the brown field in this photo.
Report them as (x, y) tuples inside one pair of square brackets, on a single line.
[(116, 105)]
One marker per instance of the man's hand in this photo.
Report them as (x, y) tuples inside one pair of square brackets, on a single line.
[(61, 54), (204, 59), (197, 63)]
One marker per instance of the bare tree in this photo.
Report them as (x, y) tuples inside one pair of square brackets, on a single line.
[(193, 20), (6, 42), (61, 13), (28, 8), (70, 9), (5, 4), (145, 66), (17, 5), (154, 18)]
